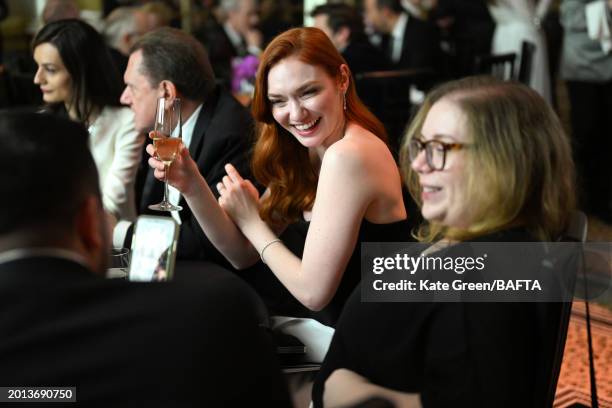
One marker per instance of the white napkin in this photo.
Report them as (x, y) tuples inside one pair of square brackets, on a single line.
[(315, 336), (598, 26)]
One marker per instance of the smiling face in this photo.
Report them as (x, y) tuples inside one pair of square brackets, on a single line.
[(307, 102), (139, 95), (52, 76), (444, 192)]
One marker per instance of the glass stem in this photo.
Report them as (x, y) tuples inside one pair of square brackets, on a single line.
[(166, 170)]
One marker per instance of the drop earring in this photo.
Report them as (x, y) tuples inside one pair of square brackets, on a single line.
[(344, 101)]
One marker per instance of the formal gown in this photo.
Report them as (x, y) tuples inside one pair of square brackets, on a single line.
[(280, 301)]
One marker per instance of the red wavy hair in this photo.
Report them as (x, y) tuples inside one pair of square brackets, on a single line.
[(280, 162)]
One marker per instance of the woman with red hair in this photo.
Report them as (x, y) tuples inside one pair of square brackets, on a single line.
[(324, 161)]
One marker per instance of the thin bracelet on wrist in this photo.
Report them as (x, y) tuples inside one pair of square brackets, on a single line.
[(261, 253)]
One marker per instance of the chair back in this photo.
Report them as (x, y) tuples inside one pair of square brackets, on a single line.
[(500, 66), (527, 51), (553, 325), (393, 105)]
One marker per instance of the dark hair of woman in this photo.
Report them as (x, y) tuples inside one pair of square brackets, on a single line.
[(95, 80)]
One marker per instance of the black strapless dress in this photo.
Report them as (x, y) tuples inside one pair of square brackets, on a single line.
[(278, 299)]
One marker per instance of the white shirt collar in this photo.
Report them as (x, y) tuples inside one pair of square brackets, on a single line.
[(189, 125), (23, 253), (397, 37), (187, 129), (412, 9), (233, 35), (400, 26)]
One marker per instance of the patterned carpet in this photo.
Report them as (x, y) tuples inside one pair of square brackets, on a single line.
[(574, 383)]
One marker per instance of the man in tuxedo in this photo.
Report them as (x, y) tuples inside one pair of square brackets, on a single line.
[(120, 343), (216, 128), (237, 36), (408, 41), (121, 29), (344, 27)]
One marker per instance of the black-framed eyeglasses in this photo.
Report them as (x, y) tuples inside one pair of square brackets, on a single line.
[(435, 151)]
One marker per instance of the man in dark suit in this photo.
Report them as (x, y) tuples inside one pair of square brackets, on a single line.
[(237, 36), (344, 27), (469, 27), (408, 41), (216, 128), (172, 344)]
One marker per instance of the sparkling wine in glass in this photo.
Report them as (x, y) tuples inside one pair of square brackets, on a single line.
[(167, 140)]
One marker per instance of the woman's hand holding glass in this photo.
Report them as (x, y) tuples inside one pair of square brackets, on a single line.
[(167, 141), (239, 198), (184, 169)]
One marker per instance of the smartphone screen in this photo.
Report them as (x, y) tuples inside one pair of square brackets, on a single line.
[(153, 249)]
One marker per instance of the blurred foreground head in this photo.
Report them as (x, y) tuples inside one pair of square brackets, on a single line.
[(50, 187)]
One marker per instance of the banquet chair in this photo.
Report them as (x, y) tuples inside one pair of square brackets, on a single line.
[(501, 66), (394, 106), (554, 330), (524, 72)]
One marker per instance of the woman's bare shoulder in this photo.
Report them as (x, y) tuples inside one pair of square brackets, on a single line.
[(358, 156)]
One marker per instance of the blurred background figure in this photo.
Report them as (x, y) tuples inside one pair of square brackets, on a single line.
[(4, 10), (344, 26), (59, 10), (78, 79), (418, 8), (236, 36), (159, 14), (64, 9), (515, 22), (586, 65), (408, 41), (466, 29), (204, 14), (123, 26), (277, 16)]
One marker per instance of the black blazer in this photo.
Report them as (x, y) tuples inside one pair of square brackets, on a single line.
[(121, 343), (362, 56), (466, 354), (223, 134), (221, 51), (420, 47)]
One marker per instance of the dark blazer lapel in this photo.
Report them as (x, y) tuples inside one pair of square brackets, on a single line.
[(203, 122)]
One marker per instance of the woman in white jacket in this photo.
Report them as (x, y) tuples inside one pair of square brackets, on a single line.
[(77, 78), (517, 21)]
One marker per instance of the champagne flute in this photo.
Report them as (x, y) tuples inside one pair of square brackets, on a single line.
[(167, 140)]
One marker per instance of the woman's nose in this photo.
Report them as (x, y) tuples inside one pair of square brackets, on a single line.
[(419, 163), (296, 112), (38, 77)]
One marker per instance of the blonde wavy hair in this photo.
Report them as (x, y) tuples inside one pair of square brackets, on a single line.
[(519, 165)]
